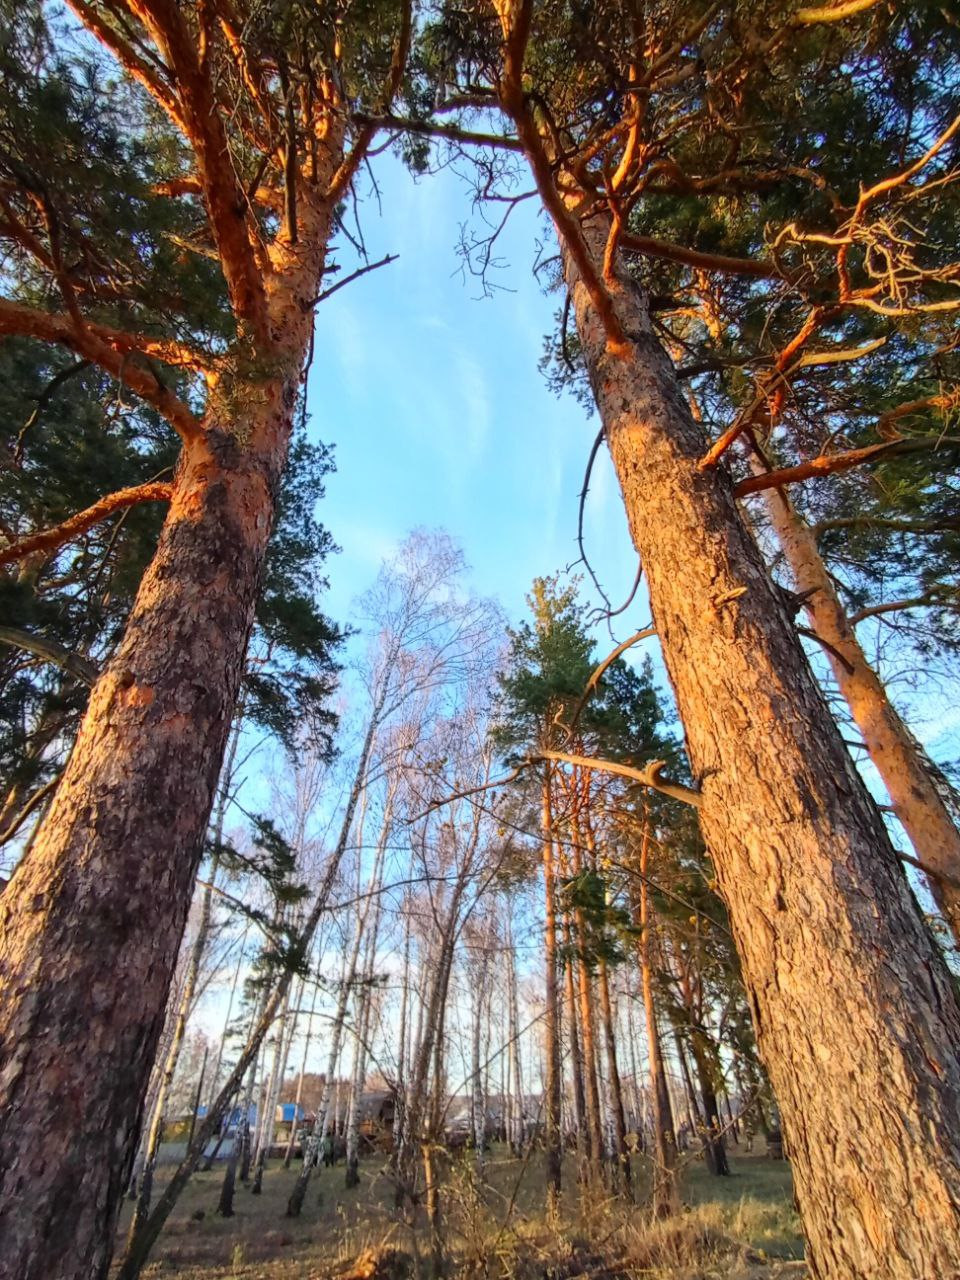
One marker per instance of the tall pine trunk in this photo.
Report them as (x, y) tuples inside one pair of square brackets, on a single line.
[(187, 996), (899, 760), (91, 922), (855, 1013)]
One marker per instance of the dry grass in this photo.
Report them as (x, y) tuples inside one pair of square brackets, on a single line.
[(739, 1228)]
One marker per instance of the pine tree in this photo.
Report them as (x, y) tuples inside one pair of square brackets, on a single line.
[(216, 162), (672, 102)]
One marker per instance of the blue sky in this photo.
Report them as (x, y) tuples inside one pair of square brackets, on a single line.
[(440, 417), (439, 414)]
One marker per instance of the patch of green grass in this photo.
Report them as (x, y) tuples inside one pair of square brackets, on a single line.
[(755, 1204)]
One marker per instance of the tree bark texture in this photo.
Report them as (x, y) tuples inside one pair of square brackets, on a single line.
[(92, 920), (854, 1010), (187, 996), (898, 758)]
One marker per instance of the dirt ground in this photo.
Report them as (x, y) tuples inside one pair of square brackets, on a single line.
[(739, 1228)]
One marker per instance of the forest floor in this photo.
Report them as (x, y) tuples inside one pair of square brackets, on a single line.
[(739, 1228)]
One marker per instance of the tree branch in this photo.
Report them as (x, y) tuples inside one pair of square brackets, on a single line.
[(344, 175), (881, 522), (443, 132), (897, 606), (648, 776), (223, 195), (17, 821), (471, 791), (354, 275), (806, 17), (651, 248), (131, 62), (515, 24), (67, 530), (594, 450), (112, 350), (43, 399), (598, 672), (942, 876), (828, 464), (74, 663)]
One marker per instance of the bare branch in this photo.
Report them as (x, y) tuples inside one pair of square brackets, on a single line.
[(442, 132), (471, 791), (595, 449), (34, 802), (354, 275), (598, 672), (43, 399), (931, 598), (941, 876), (344, 175), (605, 615), (648, 776)]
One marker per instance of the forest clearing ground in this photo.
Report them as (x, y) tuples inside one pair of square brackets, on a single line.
[(739, 1228)]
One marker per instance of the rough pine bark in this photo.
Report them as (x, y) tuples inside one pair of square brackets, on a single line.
[(854, 1010), (187, 996), (91, 921), (899, 760)]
